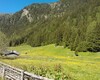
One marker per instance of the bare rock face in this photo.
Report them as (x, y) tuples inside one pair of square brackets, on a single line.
[(27, 14), (53, 5)]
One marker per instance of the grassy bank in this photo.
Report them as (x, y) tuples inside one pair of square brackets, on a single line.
[(57, 62)]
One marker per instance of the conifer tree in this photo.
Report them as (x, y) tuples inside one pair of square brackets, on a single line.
[(3, 42)]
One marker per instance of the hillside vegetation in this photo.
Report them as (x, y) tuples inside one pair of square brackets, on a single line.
[(69, 23), (57, 62)]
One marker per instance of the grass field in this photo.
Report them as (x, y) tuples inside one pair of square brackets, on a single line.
[(57, 62), (0, 78)]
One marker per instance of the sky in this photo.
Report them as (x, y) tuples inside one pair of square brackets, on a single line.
[(12, 6)]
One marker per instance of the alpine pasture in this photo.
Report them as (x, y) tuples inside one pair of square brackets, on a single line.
[(56, 62)]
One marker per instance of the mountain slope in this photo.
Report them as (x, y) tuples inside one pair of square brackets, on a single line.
[(69, 23)]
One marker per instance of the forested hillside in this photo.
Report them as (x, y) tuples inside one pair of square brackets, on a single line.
[(70, 23)]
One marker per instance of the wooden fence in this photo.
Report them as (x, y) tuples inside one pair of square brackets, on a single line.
[(8, 72)]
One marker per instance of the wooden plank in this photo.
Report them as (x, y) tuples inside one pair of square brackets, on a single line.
[(35, 76)]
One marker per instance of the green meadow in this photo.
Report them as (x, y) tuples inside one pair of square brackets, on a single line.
[(57, 62)]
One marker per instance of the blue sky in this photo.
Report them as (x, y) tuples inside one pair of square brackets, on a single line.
[(12, 6)]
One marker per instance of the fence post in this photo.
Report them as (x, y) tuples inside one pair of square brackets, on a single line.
[(22, 75), (3, 74)]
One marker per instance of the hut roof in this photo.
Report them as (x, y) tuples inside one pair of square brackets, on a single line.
[(11, 52)]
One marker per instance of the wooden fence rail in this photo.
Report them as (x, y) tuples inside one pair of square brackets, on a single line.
[(8, 72)]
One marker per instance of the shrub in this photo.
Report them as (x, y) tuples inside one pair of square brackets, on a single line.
[(82, 47)]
